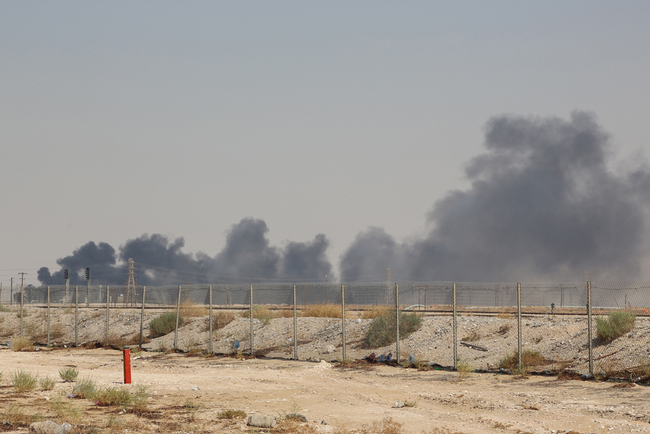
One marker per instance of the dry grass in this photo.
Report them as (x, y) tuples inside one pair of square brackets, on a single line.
[(220, 320), (472, 337), (22, 343), (464, 369), (231, 414), (504, 329), (322, 310), (529, 358), (190, 309), (504, 315), (374, 312)]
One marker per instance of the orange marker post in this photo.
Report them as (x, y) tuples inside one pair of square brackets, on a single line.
[(127, 366)]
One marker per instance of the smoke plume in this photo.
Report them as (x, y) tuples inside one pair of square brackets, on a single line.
[(246, 257), (544, 203)]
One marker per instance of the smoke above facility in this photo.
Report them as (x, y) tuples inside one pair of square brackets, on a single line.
[(544, 203)]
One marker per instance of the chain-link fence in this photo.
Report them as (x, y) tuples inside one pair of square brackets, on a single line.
[(491, 326)]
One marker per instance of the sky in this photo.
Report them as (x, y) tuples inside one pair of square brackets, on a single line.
[(347, 119)]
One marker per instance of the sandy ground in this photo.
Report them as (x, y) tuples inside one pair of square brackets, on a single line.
[(187, 393)]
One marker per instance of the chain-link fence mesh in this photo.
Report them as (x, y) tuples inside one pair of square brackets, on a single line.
[(548, 322)]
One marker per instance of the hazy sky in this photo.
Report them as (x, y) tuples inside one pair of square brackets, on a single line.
[(181, 118)]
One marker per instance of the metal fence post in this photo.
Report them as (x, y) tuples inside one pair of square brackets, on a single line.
[(589, 336), (454, 325), (210, 346), (295, 324), (178, 314), (519, 343), (48, 315), (76, 316), (397, 321), (144, 291), (108, 316), (252, 347), (343, 319)]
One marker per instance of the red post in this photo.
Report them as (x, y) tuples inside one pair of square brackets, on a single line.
[(127, 366)]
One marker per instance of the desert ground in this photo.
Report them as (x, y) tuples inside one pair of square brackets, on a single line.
[(189, 390), (188, 394)]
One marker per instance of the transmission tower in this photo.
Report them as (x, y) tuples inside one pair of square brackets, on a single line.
[(130, 285)]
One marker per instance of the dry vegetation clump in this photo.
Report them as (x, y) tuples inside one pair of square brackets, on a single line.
[(464, 369), (261, 313), (504, 329), (22, 343), (615, 325), (23, 381), (231, 414), (322, 310), (69, 374), (375, 311), (529, 358), (220, 320), (472, 337), (190, 309)]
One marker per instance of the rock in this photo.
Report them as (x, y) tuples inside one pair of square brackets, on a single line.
[(261, 421), (330, 349), (324, 422), (399, 404), (297, 416), (47, 427)]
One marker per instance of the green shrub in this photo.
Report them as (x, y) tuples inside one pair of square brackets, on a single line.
[(121, 397), (382, 328), (615, 325), (23, 381), (163, 324), (68, 375)]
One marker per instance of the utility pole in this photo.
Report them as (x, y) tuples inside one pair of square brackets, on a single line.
[(130, 285), (67, 286), (11, 293), (87, 286), (388, 279)]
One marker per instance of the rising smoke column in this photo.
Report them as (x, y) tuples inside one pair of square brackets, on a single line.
[(307, 261), (543, 204), (102, 258), (247, 257)]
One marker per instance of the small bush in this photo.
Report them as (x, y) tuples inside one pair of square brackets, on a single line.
[(84, 389), (528, 358), (231, 414), (22, 343), (112, 396), (382, 329), (464, 369), (615, 325), (47, 383), (68, 375), (261, 313), (23, 381), (164, 324)]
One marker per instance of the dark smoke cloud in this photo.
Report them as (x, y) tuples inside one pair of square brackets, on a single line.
[(543, 204), (246, 257)]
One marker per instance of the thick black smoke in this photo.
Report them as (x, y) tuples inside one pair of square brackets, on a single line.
[(247, 257), (544, 203)]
